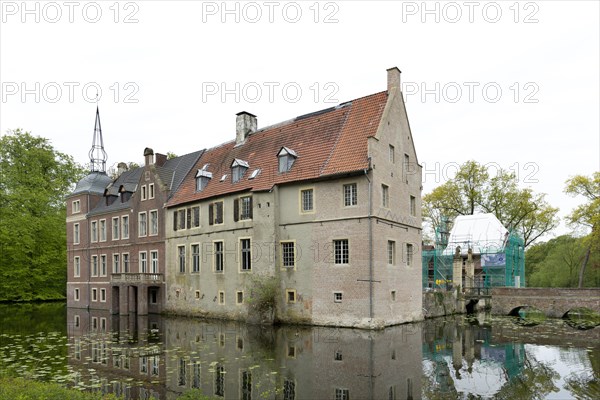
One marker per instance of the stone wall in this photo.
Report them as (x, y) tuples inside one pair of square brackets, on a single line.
[(440, 303), (554, 302)]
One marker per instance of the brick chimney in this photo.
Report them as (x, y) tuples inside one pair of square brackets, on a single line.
[(148, 156), (160, 159), (245, 124), (393, 78)]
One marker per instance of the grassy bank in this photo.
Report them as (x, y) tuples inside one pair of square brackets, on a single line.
[(25, 389)]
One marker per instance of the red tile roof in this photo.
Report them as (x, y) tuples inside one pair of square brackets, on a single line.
[(328, 142)]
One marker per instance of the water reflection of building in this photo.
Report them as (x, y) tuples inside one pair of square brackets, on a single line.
[(465, 358), (117, 354), (234, 360)]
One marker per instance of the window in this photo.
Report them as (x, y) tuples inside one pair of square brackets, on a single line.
[(115, 228), (337, 297), (125, 227), (391, 252), (125, 262), (179, 219), (288, 254), (392, 156), (385, 196), (116, 264), (393, 293), (337, 356), (290, 295), (242, 208), (77, 321), (144, 194), (103, 295), (143, 262), (409, 254), (76, 267), (220, 380), (76, 295), (202, 178), (155, 365), (153, 296), (103, 267), (221, 297), (413, 206), (154, 222), (94, 231), (342, 394), (341, 253), (239, 297), (75, 207), (103, 230), (182, 372), (142, 224), (194, 217), (94, 262), (246, 385), (286, 159), (196, 375), (218, 252), (151, 191), (289, 390), (75, 233), (350, 195), (238, 168), (181, 258), (246, 254), (215, 213), (94, 294), (254, 173), (154, 262), (306, 200), (195, 258)]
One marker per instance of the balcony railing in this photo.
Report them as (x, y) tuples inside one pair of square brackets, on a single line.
[(137, 278)]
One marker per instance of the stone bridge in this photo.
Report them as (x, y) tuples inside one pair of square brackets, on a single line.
[(554, 302)]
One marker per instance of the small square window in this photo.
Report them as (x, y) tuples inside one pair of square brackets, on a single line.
[(337, 356), (413, 206), (291, 352), (221, 297), (307, 200), (392, 156), (197, 294), (337, 297), (290, 296)]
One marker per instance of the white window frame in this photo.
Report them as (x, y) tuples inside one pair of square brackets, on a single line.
[(391, 252), (76, 266), (94, 265), (392, 154), (195, 257), (338, 297), (76, 295), (103, 295), (245, 255), (385, 196), (409, 254), (350, 193), (144, 193), (151, 193), (344, 254), (94, 231), (182, 259), (103, 265), (293, 299), (116, 228), (142, 224), (154, 267), (143, 262), (125, 263), (102, 230), (303, 203), (75, 207), (125, 227), (116, 263), (94, 294), (153, 224), (219, 255), (76, 233)]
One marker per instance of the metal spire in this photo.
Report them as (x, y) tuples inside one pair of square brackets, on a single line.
[(98, 156)]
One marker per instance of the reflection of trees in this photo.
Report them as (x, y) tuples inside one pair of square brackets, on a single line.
[(535, 381), (437, 384), (586, 386)]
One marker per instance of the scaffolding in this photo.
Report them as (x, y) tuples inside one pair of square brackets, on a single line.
[(494, 266)]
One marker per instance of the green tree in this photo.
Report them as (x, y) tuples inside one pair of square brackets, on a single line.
[(34, 178), (473, 191), (587, 214)]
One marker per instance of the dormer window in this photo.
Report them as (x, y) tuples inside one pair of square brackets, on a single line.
[(286, 159), (202, 179), (238, 168)]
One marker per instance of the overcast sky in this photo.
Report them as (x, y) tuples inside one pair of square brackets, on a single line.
[(511, 85)]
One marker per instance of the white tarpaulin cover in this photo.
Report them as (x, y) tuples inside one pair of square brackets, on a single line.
[(482, 232)]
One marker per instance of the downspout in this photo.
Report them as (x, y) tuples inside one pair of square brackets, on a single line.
[(366, 171)]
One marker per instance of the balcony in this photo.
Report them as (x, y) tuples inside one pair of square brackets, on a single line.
[(137, 278)]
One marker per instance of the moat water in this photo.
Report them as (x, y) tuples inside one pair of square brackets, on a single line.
[(154, 357)]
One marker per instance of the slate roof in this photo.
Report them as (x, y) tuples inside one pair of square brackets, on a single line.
[(94, 183), (171, 173), (327, 142)]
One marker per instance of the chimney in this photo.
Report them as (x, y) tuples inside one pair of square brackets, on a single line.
[(121, 167), (245, 124), (148, 156), (393, 78), (161, 159)]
